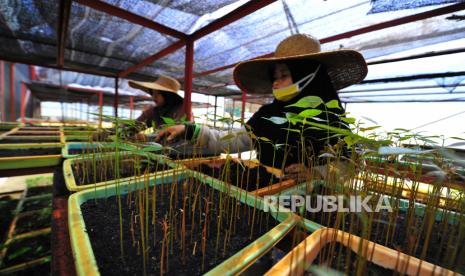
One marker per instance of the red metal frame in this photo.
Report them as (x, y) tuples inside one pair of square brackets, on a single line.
[(364, 30), (397, 22), (168, 50), (189, 69), (64, 10), (23, 102), (242, 11), (12, 92), (2, 89), (131, 17), (32, 73)]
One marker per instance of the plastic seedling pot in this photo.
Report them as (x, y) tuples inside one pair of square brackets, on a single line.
[(72, 184), (77, 138), (36, 133), (8, 126), (82, 250), (303, 255), (78, 128), (29, 139), (78, 132), (98, 146), (21, 162)]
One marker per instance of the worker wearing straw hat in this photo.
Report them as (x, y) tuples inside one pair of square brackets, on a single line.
[(298, 69), (168, 102)]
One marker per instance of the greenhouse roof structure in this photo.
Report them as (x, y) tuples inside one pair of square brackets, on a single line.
[(408, 44)]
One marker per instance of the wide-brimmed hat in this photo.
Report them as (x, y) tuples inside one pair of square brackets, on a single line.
[(162, 83), (344, 67)]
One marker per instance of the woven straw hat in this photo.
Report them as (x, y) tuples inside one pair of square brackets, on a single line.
[(163, 83), (344, 67)]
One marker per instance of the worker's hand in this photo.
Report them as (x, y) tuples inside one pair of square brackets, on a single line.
[(299, 172), (170, 133)]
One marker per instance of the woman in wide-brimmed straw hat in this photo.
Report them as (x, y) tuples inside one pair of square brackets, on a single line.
[(168, 103), (298, 69)]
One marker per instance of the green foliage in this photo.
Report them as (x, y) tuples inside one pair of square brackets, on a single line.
[(333, 104), (310, 113), (169, 121), (308, 102)]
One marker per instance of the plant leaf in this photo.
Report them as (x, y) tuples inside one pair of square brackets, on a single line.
[(333, 104), (308, 102), (153, 148), (309, 113), (276, 120), (348, 120), (168, 121), (369, 128)]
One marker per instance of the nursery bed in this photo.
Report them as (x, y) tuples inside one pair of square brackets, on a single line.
[(134, 264)]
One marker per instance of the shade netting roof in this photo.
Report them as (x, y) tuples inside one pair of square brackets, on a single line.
[(69, 94), (101, 43)]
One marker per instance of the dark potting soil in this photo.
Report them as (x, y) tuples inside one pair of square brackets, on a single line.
[(27, 249), (33, 221), (39, 190), (29, 152), (396, 231), (246, 178), (80, 139), (90, 151), (78, 128), (102, 225), (7, 208), (83, 175), (14, 140), (37, 203), (16, 134), (340, 258)]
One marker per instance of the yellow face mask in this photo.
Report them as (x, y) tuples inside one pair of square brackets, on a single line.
[(287, 93)]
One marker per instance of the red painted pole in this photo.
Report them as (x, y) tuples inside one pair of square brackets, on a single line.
[(2, 89), (32, 73), (12, 92), (188, 79), (131, 106), (23, 102)]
